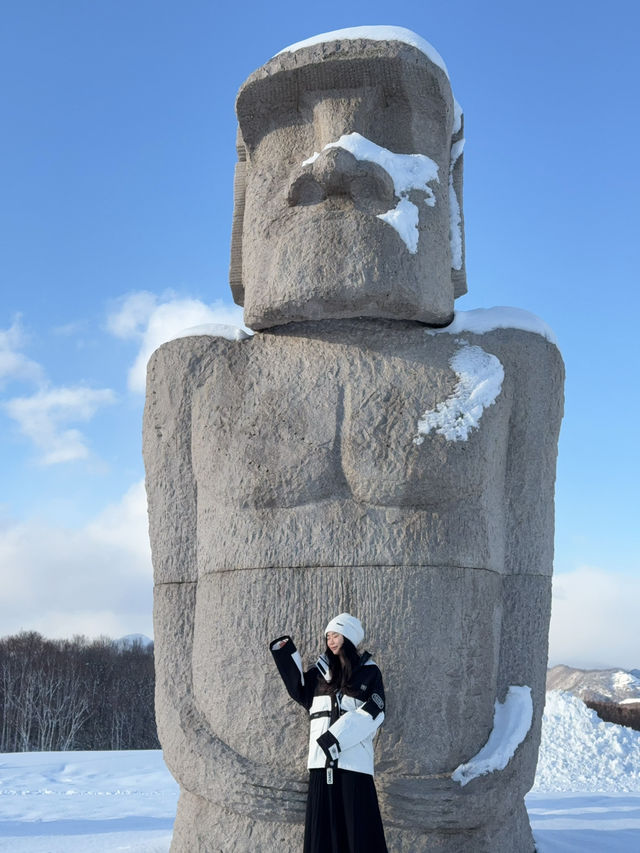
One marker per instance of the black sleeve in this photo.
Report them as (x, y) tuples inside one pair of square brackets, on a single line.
[(375, 701), (300, 685)]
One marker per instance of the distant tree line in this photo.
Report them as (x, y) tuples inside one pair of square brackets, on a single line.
[(611, 712), (75, 694)]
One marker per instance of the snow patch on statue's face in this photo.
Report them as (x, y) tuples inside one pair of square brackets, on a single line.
[(407, 172)]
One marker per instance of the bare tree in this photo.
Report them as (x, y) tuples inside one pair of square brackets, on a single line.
[(75, 694)]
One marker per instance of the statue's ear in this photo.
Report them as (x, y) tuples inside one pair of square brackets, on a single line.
[(458, 268), (239, 191)]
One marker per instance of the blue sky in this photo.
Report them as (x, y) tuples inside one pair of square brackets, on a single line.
[(117, 165)]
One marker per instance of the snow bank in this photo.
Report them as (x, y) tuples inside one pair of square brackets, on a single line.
[(511, 722), (579, 752), (480, 375)]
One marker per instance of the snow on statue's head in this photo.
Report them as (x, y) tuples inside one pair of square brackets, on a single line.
[(348, 189)]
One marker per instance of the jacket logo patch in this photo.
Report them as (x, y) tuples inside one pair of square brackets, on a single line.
[(363, 687), (378, 700)]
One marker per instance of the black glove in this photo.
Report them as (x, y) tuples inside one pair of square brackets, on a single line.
[(329, 745)]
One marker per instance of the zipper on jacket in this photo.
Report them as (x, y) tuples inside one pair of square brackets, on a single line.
[(335, 713), (335, 709)]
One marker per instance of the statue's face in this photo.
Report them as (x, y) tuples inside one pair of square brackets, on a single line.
[(347, 194)]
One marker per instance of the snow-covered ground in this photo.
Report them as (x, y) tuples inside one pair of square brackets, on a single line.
[(86, 802), (586, 797)]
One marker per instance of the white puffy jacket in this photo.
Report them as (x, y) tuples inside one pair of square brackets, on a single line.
[(350, 720)]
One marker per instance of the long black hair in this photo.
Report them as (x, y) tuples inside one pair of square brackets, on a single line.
[(342, 666)]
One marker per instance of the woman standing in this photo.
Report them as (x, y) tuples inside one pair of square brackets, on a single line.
[(344, 695)]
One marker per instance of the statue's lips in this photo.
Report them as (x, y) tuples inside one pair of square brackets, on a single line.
[(401, 220), (335, 214), (319, 244), (344, 205)]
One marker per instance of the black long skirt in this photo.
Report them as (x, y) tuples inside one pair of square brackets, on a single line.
[(343, 817)]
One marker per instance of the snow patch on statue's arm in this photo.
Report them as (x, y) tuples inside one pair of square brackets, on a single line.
[(480, 375), (511, 723), (407, 171), (214, 330)]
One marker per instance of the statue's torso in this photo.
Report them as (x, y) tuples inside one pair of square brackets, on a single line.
[(309, 494), (309, 432)]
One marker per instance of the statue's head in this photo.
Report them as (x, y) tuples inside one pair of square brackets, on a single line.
[(348, 190)]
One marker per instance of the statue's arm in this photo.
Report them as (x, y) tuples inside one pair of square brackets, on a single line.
[(196, 755), (537, 380), (534, 376)]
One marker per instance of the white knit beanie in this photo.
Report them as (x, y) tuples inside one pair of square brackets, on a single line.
[(347, 625)]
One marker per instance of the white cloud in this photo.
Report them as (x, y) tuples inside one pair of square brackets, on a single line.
[(43, 417), (13, 363), (93, 580), (143, 317), (133, 315), (594, 619), (74, 328), (46, 415), (126, 522)]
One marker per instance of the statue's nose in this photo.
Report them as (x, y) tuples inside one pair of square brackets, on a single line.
[(336, 172)]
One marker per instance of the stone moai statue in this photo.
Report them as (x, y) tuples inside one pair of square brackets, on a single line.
[(366, 450)]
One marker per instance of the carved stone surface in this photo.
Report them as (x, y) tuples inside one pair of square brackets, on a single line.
[(360, 463), (315, 248)]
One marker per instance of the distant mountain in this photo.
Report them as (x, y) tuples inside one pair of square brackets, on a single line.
[(596, 685), (133, 640)]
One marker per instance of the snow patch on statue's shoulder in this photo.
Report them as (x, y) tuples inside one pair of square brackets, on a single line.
[(480, 375), (214, 330), (479, 321)]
